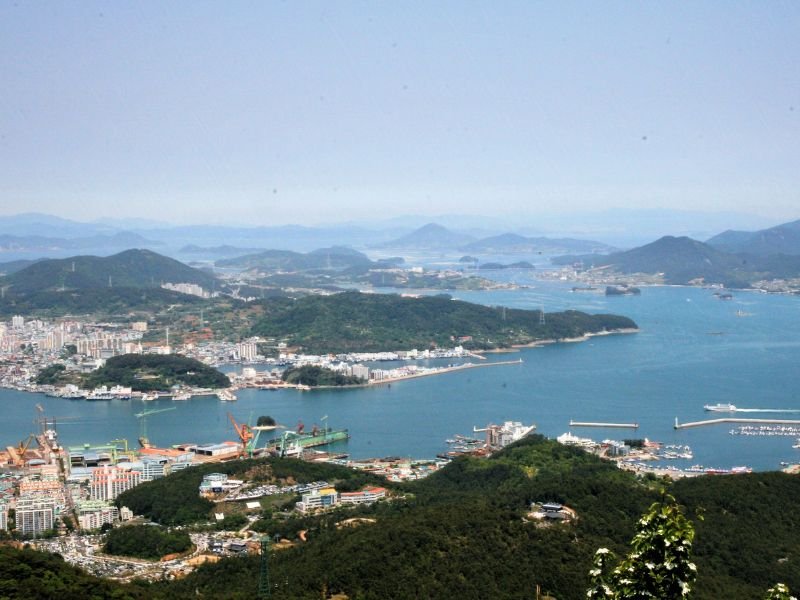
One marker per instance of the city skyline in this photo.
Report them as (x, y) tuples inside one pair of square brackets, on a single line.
[(272, 114)]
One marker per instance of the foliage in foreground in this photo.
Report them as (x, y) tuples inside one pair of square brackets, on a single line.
[(659, 564)]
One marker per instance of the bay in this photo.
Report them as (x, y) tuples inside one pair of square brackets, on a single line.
[(693, 349)]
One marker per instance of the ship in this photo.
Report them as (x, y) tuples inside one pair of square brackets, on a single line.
[(226, 395), (722, 407), (100, 393), (178, 396), (294, 442)]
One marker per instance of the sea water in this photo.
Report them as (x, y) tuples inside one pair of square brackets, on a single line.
[(692, 349)]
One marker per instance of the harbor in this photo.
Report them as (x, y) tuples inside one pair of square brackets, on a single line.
[(735, 420)]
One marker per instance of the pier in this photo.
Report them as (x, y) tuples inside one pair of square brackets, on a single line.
[(591, 424), (736, 420)]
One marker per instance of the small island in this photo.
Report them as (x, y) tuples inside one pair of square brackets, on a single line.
[(316, 376), (154, 372)]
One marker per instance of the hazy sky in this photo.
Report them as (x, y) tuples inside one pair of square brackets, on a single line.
[(274, 112)]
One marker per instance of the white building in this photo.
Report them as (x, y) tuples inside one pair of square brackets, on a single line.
[(109, 482), (35, 514), (17, 322), (3, 516), (248, 351), (365, 496), (318, 499), (93, 515)]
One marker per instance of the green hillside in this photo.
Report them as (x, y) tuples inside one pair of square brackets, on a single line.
[(131, 268), (336, 257), (462, 532), (682, 259), (149, 372), (353, 321), (106, 301)]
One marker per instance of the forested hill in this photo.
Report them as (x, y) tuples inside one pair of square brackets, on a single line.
[(463, 533), (150, 372), (353, 321), (131, 268), (682, 259), (336, 257)]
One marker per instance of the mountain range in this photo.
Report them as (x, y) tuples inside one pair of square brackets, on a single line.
[(682, 259), (781, 239), (437, 237)]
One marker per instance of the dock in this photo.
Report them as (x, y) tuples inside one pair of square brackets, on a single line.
[(592, 424), (736, 420)]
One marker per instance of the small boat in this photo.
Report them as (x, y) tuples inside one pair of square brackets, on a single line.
[(149, 397), (722, 407), (226, 395), (180, 396)]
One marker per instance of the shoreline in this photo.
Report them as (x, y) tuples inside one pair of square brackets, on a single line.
[(441, 371), (548, 342)]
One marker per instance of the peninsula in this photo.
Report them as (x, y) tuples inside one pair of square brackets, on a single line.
[(356, 322)]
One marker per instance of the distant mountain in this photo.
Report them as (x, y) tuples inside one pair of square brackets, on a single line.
[(38, 224), (682, 259), (512, 243), (37, 243), (429, 237), (335, 257), (223, 250), (782, 239), (131, 268), (13, 266)]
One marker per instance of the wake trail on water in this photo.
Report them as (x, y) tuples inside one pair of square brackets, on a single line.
[(767, 410)]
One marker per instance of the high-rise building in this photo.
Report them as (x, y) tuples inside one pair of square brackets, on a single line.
[(35, 514), (109, 482), (3, 516), (17, 322)]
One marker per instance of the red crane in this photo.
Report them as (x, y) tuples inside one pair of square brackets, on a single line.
[(245, 433)]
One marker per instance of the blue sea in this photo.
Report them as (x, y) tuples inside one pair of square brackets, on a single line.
[(693, 349)]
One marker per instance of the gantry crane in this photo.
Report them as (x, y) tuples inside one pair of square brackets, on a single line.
[(246, 436), (16, 453), (144, 442)]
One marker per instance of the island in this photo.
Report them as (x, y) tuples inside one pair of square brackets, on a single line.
[(316, 376), (357, 322), (154, 372)]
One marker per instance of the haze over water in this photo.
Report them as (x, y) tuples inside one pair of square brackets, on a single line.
[(692, 350)]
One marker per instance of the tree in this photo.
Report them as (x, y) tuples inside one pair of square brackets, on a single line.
[(779, 592), (659, 564)]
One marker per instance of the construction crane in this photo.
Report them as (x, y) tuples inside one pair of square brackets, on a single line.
[(144, 442), (246, 436), (16, 453)]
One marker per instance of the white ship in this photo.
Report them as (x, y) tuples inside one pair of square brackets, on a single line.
[(226, 395), (720, 407)]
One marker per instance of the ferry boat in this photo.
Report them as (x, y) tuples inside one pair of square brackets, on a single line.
[(720, 407), (226, 395), (100, 393), (180, 396), (149, 397)]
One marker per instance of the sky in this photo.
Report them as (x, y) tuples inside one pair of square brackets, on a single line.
[(311, 112)]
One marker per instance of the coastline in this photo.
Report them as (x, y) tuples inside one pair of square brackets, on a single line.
[(547, 342), (440, 371)]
